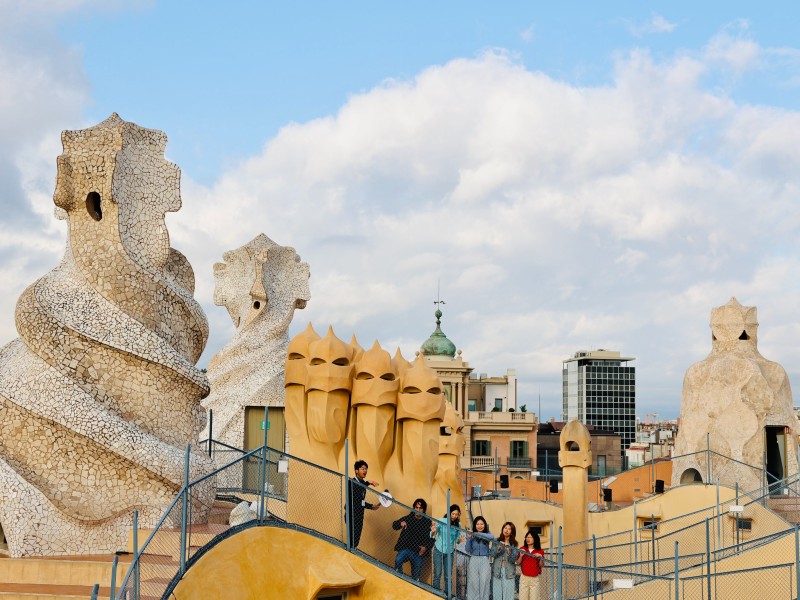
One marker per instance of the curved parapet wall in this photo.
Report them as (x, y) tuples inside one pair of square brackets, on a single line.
[(261, 284), (99, 396)]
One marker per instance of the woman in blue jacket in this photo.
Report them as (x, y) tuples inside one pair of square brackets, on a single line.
[(479, 572), (443, 558)]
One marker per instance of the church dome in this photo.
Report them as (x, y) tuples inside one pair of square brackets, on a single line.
[(438, 344)]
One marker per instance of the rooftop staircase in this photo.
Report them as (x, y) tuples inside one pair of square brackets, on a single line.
[(74, 577), (787, 507), (63, 577)]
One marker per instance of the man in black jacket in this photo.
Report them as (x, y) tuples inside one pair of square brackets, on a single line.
[(357, 487), (415, 540)]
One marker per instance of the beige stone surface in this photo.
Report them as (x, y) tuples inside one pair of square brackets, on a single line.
[(575, 458), (261, 284), (393, 412), (100, 395), (733, 394)]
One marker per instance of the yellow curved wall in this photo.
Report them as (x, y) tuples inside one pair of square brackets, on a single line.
[(272, 562)]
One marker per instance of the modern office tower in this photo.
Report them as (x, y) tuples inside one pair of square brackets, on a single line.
[(599, 388)]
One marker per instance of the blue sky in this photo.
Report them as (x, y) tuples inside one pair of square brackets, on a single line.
[(598, 176), (227, 80)]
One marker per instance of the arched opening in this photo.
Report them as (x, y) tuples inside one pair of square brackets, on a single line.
[(93, 206), (573, 446), (691, 476), (744, 336)]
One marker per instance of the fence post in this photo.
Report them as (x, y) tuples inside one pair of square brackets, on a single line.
[(185, 509), (594, 565), (736, 521), (652, 471), (114, 577), (210, 429), (635, 544), (348, 511), (797, 560), (136, 555), (551, 532), (496, 470), (796, 496), (547, 479), (677, 573), (266, 462), (560, 563), (708, 457), (719, 520), (653, 541), (708, 559), (448, 555), (263, 473)]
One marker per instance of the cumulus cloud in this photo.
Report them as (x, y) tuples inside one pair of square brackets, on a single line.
[(42, 91), (557, 217)]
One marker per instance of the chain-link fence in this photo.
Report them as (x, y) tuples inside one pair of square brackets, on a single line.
[(676, 558)]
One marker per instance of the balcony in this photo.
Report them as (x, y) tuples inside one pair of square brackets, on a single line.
[(517, 418), (482, 461), (520, 463)]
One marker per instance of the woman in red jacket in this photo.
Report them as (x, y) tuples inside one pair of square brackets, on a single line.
[(531, 558)]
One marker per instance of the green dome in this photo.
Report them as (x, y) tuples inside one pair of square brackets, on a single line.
[(438, 344)]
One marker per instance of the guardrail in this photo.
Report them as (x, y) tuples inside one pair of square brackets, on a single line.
[(660, 559)]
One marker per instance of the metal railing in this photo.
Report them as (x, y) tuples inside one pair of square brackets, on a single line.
[(519, 462), (673, 558)]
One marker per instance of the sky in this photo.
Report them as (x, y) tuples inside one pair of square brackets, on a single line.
[(597, 176)]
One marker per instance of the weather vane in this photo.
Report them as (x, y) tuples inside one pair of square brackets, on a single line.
[(438, 298)]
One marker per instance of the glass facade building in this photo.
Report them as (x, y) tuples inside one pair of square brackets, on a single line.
[(599, 388)]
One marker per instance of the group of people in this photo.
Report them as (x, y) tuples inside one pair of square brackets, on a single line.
[(489, 560), (493, 561)]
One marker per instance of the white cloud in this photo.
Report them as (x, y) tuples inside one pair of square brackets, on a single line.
[(733, 48), (557, 217), (527, 35), (42, 91), (656, 24), (661, 25)]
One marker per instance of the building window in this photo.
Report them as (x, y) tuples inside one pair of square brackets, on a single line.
[(744, 524), (498, 404), (542, 528), (649, 524), (472, 406), (601, 465), (519, 449), (481, 448)]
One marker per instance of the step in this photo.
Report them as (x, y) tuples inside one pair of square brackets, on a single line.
[(221, 512), (41, 591), (167, 541), (786, 507), (63, 570)]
